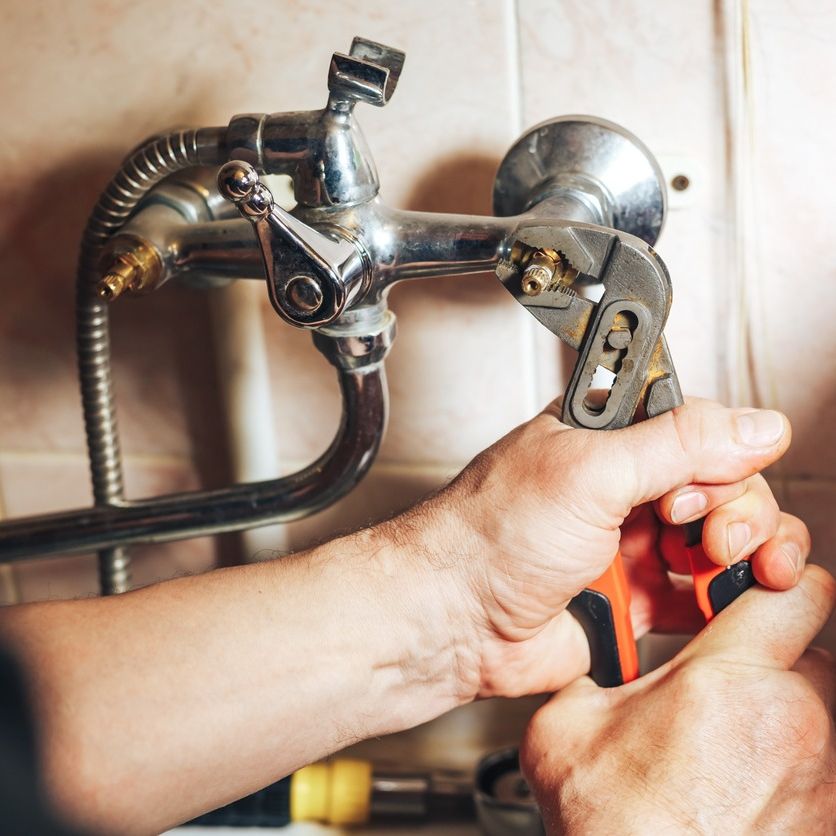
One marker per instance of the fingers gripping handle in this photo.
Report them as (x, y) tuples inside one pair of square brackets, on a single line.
[(714, 586), (603, 611)]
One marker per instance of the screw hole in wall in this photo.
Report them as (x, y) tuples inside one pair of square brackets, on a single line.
[(680, 182)]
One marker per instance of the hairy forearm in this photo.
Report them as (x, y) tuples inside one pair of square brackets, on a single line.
[(168, 701)]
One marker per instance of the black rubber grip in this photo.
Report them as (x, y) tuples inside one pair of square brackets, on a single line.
[(730, 584), (593, 611)]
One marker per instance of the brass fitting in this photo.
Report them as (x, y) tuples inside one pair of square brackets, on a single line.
[(545, 270), (539, 273), (129, 264)]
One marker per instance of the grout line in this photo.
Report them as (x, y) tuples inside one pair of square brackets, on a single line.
[(73, 457), (517, 95), (517, 83)]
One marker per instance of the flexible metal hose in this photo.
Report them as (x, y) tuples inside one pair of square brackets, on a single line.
[(156, 159)]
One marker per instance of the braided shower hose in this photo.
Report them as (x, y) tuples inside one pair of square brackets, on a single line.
[(152, 162)]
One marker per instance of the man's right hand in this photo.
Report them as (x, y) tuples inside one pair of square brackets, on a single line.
[(734, 735)]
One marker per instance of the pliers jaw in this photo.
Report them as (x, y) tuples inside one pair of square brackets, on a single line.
[(621, 332)]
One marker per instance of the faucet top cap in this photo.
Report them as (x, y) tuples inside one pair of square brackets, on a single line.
[(369, 73)]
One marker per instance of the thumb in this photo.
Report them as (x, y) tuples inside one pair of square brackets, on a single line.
[(769, 628), (701, 441)]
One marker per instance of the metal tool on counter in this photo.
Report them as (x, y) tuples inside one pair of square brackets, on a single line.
[(347, 792), (619, 334), (505, 805)]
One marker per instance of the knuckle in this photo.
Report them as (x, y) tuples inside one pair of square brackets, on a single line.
[(796, 529), (682, 424), (802, 725), (822, 590), (531, 754), (761, 489), (698, 682)]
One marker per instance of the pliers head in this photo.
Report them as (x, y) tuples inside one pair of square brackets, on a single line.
[(548, 265)]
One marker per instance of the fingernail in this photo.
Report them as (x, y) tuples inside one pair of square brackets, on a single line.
[(792, 554), (739, 534), (760, 428), (688, 505)]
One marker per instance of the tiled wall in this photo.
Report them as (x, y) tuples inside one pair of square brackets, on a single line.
[(84, 82)]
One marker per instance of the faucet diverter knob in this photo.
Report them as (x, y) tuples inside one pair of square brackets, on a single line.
[(311, 278), (237, 181)]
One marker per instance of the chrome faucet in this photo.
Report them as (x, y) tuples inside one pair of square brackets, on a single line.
[(328, 265)]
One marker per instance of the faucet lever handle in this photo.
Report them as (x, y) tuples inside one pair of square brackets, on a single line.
[(369, 73), (311, 278)]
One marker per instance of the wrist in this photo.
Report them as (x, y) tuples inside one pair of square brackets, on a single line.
[(428, 554)]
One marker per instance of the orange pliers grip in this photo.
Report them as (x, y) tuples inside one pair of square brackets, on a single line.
[(603, 610), (714, 586)]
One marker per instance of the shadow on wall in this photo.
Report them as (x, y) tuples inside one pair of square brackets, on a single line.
[(464, 184), (164, 370), (459, 184)]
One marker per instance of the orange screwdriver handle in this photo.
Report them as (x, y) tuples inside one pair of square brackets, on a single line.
[(715, 586), (603, 610)]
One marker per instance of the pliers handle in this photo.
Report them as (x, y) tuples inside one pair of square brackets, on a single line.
[(603, 610)]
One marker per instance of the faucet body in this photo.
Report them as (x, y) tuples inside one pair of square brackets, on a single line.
[(328, 265)]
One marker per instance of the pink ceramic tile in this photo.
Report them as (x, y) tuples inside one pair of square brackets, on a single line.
[(460, 375), (655, 68), (461, 372), (794, 166), (44, 484)]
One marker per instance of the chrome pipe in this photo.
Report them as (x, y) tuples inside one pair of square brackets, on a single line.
[(217, 249), (201, 513), (422, 245), (399, 244)]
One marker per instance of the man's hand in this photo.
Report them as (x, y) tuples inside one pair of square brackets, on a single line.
[(163, 703), (538, 516), (734, 735)]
